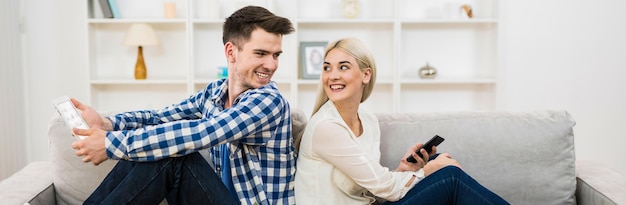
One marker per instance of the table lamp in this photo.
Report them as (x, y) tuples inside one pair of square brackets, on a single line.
[(140, 35)]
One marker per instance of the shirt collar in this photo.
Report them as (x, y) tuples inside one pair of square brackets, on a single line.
[(221, 93)]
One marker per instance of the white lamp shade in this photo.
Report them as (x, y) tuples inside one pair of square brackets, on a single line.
[(141, 34)]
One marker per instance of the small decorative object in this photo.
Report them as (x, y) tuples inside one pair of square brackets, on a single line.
[(350, 8), (311, 59), (222, 72), (427, 72), (467, 9), (169, 10), (140, 35)]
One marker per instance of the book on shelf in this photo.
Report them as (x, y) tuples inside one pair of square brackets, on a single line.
[(106, 9), (114, 10)]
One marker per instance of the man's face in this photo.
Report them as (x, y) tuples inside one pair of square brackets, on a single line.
[(253, 63)]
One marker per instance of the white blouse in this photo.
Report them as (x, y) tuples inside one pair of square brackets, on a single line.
[(336, 167)]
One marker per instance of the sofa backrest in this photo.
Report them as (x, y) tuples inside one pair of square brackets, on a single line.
[(73, 180), (527, 158)]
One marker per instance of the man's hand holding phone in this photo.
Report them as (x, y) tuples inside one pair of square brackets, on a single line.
[(92, 148)]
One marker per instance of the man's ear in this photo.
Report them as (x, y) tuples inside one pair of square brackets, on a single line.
[(230, 51), (367, 76)]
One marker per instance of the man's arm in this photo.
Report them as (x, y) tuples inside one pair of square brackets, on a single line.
[(106, 124), (93, 148), (188, 109), (250, 121)]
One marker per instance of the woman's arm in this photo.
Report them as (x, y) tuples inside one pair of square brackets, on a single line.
[(333, 143)]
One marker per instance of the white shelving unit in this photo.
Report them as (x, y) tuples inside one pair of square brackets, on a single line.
[(403, 35)]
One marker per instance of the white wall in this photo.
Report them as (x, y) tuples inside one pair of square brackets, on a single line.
[(555, 55), (55, 64), (12, 122), (569, 55)]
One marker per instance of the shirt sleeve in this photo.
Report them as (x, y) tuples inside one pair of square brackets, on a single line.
[(188, 109), (333, 143), (175, 132)]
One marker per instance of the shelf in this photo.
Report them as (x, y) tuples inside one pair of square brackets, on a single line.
[(138, 82), (132, 20), (344, 21), (447, 21), (439, 80), (208, 21), (206, 81), (402, 34), (316, 82)]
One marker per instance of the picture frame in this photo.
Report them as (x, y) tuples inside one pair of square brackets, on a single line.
[(312, 59)]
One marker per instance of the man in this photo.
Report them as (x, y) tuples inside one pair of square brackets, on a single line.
[(243, 121)]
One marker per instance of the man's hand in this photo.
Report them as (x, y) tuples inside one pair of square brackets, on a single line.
[(93, 118), (92, 147)]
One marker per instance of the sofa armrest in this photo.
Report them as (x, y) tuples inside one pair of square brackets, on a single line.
[(598, 184), (32, 181)]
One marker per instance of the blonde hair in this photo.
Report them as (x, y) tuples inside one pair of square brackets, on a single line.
[(355, 48)]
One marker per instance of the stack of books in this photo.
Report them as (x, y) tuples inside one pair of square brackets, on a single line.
[(109, 9)]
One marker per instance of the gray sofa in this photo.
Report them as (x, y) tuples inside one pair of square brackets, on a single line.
[(527, 158)]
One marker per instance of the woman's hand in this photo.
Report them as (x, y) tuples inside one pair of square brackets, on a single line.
[(443, 160), (421, 161)]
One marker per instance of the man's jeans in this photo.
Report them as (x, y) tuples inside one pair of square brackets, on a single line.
[(181, 180)]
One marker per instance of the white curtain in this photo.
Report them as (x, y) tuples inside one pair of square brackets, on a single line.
[(12, 116)]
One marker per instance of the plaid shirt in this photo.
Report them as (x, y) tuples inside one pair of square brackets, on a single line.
[(257, 128)]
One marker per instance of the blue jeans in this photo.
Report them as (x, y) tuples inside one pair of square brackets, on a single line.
[(449, 185), (181, 180)]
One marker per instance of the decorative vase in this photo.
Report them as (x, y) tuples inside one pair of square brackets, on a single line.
[(427, 72), (140, 66)]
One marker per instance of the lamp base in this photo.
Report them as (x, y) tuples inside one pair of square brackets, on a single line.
[(140, 67)]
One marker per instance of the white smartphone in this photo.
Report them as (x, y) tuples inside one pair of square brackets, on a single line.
[(70, 114)]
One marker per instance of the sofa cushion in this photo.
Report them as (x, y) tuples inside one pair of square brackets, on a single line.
[(73, 180), (527, 158)]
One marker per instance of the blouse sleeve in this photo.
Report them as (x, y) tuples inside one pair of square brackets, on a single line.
[(333, 143)]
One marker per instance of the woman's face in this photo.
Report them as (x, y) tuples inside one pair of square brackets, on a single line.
[(342, 77)]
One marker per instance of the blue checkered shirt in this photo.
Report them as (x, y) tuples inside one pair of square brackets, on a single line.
[(257, 129)]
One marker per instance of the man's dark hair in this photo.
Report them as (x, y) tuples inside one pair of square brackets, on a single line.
[(239, 26)]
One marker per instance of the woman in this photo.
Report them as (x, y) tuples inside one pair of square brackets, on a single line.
[(338, 161)]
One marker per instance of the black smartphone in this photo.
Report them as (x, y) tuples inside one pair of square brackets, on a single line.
[(435, 141)]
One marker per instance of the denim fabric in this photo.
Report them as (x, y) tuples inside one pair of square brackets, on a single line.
[(449, 185), (181, 180)]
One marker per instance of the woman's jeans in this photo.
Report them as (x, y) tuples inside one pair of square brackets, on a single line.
[(181, 180), (449, 185)]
